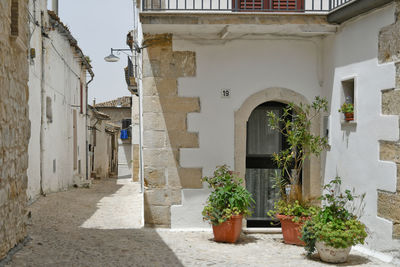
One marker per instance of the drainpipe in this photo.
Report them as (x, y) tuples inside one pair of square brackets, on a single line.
[(140, 93), (86, 126), (42, 104)]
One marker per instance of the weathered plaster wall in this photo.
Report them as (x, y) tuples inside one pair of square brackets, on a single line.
[(116, 114), (124, 146), (35, 67), (226, 64), (63, 77), (354, 155), (101, 149), (14, 125)]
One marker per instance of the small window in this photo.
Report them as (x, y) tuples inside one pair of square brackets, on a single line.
[(126, 131), (348, 100), (14, 18), (49, 111)]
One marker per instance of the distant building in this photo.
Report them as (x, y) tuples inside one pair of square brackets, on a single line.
[(58, 88), (119, 111), (103, 145)]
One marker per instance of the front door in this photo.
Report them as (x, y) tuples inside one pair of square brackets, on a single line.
[(262, 142)]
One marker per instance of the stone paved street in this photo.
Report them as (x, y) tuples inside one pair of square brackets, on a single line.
[(59, 238)]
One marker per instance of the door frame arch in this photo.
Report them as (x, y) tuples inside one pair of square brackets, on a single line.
[(312, 180)]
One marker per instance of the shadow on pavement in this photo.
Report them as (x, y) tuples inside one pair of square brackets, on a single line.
[(58, 239), (353, 260)]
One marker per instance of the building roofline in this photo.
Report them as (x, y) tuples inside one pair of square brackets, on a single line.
[(56, 22)]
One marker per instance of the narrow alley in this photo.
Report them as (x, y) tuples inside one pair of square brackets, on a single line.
[(199, 133), (74, 228)]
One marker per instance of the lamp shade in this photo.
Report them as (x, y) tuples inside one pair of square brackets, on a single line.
[(111, 58)]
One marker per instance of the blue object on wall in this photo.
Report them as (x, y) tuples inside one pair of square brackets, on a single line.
[(124, 134)]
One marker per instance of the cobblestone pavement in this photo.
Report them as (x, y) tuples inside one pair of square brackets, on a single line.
[(58, 239)]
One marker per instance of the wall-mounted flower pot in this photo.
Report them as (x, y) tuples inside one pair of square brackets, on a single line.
[(331, 254), (349, 116), (291, 230), (228, 231)]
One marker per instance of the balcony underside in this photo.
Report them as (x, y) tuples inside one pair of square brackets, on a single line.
[(233, 26)]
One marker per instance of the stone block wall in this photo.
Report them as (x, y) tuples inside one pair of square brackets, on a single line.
[(14, 122), (389, 51), (165, 128)]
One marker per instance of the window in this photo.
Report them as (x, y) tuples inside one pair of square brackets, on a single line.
[(81, 94), (273, 5), (348, 96), (126, 131), (14, 18), (49, 111)]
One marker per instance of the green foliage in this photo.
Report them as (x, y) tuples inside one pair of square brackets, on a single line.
[(228, 197), (295, 126), (336, 223), (347, 108), (299, 210), (88, 59)]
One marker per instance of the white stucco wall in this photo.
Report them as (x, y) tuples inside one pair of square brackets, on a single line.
[(245, 67), (354, 153), (310, 67), (63, 75), (33, 172)]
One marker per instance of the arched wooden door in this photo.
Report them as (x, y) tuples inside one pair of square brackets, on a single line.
[(262, 142)]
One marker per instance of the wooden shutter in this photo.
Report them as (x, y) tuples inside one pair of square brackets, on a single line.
[(272, 5), (250, 5), (288, 5)]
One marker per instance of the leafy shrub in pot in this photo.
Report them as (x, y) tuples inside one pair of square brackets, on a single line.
[(336, 227), (228, 202), (295, 126)]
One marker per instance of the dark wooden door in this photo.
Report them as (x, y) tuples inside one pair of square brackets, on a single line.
[(262, 142)]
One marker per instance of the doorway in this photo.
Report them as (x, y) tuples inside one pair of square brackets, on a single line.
[(261, 143)]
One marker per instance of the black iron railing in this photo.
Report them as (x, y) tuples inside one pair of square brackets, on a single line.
[(244, 5)]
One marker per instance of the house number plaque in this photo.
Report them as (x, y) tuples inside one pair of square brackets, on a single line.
[(225, 93)]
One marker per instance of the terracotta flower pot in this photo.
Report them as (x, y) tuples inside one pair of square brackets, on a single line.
[(228, 231), (291, 231), (349, 116)]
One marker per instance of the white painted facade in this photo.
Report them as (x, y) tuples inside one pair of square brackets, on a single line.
[(310, 66), (52, 165), (354, 153)]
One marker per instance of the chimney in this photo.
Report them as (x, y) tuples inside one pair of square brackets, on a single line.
[(94, 102), (54, 6)]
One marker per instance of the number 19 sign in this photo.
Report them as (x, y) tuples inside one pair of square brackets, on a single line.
[(225, 93)]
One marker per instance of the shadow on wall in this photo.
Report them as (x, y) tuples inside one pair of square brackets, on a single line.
[(59, 239)]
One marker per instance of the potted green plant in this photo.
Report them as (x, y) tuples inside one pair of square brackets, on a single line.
[(336, 227), (227, 204), (292, 216), (295, 126), (348, 110)]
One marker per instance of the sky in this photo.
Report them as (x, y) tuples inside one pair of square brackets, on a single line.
[(99, 25)]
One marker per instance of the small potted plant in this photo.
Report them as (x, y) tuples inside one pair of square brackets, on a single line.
[(295, 125), (226, 205), (348, 110), (336, 227)]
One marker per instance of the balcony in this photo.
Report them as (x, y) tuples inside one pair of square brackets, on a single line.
[(297, 6)]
